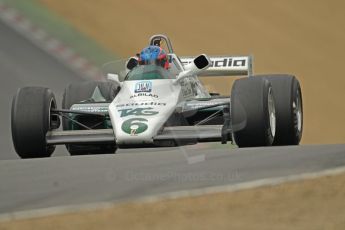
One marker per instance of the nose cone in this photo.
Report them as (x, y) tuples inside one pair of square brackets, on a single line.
[(141, 108)]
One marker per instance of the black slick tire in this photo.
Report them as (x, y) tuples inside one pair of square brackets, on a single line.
[(251, 108), (31, 120), (78, 92), (289, 108)]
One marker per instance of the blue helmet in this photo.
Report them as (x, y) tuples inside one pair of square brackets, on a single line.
[(154, 55)]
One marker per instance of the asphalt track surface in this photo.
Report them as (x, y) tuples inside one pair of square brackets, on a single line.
[(64, 180), (42, 183)]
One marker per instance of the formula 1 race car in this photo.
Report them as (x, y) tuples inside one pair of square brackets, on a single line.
[(145, 104)]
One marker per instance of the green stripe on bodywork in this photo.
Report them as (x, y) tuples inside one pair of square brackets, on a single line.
[(91, 108)]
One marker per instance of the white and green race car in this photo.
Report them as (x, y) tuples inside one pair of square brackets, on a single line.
[(148, 105)]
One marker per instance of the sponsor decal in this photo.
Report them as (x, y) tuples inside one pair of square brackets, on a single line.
[(143, 87), (200, 104), (91, 109), (134, 104), (143, 95), (223, 62), (134, 126), (192, 106), (137, 112), (187, 90)]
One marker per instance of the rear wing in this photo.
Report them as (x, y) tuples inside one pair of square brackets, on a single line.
[(226, 65)]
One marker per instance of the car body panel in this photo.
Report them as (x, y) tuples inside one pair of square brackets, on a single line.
[(142, 108)]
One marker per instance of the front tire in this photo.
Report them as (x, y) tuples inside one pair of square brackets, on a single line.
[(289, 108), (252, 112), (31, 120), (75, 93)]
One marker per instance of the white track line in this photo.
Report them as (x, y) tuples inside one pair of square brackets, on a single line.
[(58, 210), (51, 45)]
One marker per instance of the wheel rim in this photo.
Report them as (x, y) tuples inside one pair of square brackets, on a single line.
[(271, 112), (54, 122), (297, 105), (51, 106)]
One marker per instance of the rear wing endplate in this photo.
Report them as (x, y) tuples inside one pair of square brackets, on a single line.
[(226, 65)]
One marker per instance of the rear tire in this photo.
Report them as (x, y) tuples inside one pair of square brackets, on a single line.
[(252, 112), (289, 108), (31, 120), (76, 93)]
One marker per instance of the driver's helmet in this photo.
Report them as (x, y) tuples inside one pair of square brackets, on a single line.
[(154, 55)]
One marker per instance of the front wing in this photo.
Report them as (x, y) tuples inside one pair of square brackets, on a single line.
[(204, 133)]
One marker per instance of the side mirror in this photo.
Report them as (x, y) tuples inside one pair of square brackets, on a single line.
[(199, 64), (132, 62), (114, 77)]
